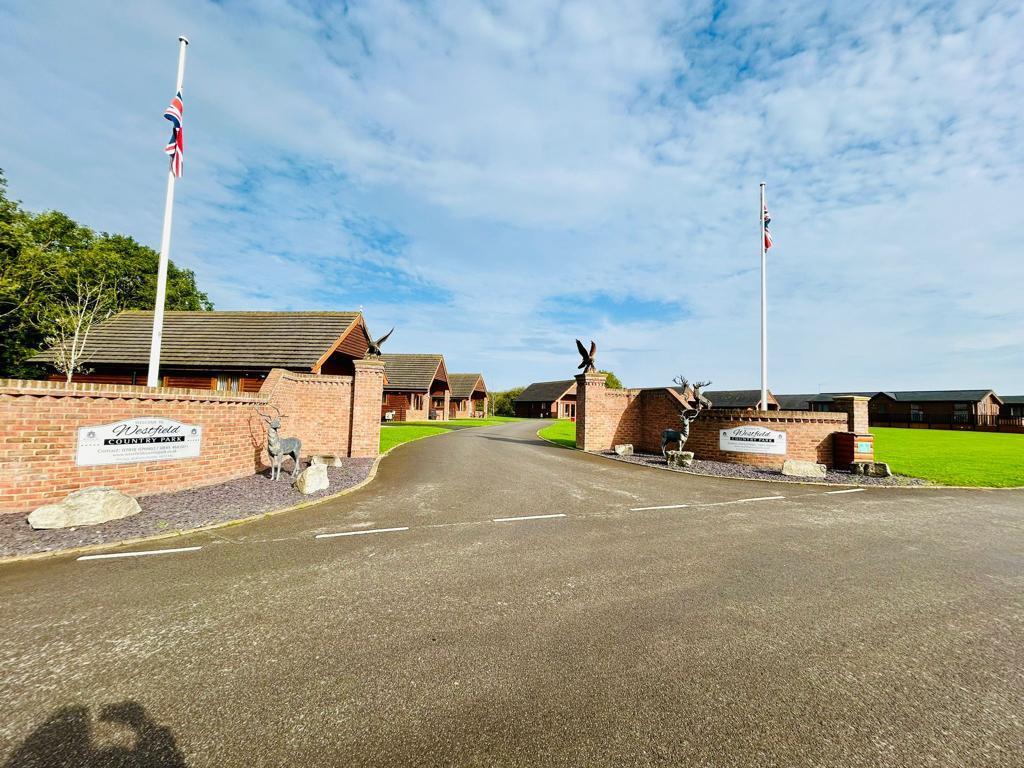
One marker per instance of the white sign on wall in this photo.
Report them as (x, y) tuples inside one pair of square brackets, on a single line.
[(752, 440), (134, 440)]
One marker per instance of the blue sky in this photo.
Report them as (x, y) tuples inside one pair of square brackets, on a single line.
[(497, 178)]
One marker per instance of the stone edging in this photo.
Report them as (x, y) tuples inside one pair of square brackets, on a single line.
[(225, 524), (932, 487)]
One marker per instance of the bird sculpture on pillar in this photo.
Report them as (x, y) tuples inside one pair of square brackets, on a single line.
[(373, 347), (589, 364)]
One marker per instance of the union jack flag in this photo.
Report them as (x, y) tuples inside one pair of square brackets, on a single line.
[(176, 144), (767, 234)]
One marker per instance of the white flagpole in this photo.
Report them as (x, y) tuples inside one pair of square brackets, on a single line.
[(153, 377), (764, 311)]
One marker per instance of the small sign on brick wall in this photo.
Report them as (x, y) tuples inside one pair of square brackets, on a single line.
[(752, 440), (136, 440)]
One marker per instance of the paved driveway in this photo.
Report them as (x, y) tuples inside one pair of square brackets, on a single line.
[(758, 624)]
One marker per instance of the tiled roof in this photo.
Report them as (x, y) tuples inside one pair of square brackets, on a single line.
[(801, 402), (464, 384), (940, 395), (295, 340), (1012, 399), (735, 398), (411, 373), (794, 402), (545, 391)]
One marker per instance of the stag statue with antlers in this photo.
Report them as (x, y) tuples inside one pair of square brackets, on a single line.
[(279, 447), (680, 436)]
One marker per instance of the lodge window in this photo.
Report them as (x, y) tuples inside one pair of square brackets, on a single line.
[(417, 402), (916, 414), (1016, 410), (227, 383), (961, 413)]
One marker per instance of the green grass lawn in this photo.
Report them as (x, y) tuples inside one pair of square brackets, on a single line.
[(986, 459), (407, 431), (562, 432), (949, 457)]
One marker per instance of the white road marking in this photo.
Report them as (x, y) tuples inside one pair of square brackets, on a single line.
[(759, 498), (849, 490), (527, 517), (667, 506), (139, 554), (360, 533)]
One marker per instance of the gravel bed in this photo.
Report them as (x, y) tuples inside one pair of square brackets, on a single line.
[(725, 469), (181, 511)]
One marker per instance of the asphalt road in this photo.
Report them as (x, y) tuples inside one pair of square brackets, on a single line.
[(877, 628)]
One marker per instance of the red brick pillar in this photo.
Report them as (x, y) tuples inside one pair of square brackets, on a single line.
[(856, 409), (590, 390), (367, 396), (856, 445)]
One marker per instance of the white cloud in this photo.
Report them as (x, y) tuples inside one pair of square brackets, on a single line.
[(535, 150)]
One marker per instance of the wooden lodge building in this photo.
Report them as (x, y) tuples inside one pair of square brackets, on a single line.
[(226, 351), (949, 408), (1012, 407), (469, 395), (938, 408), (547, 400), (417, 388)]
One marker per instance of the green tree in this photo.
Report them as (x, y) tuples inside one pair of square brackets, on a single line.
[(612, 381), (48, 262), (503, 405)]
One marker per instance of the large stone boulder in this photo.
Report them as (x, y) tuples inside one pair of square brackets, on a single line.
[(312, 479), (798, 468), (88, 506), (624, 449), (679, 459), (871, 469)]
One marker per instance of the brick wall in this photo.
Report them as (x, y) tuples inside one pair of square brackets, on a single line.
[(333, 415), (606, 417), (41, 421), (315, 408), (808, 435)]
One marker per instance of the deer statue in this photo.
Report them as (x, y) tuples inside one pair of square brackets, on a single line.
[(680, 436), (279, 447)]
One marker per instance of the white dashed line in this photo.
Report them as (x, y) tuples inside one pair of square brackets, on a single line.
[(848, 490), (139, 554), (667, 506), (527, 517), (759, 498), (360, 533)]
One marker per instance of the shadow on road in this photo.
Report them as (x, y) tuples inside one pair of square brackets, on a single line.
[(519, 440), (65, 740)]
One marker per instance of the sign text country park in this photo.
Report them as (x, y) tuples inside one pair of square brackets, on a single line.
[(752, 440), (134, 440)]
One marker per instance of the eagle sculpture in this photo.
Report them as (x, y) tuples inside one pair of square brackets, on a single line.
[(588, 365), (373, 347)]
